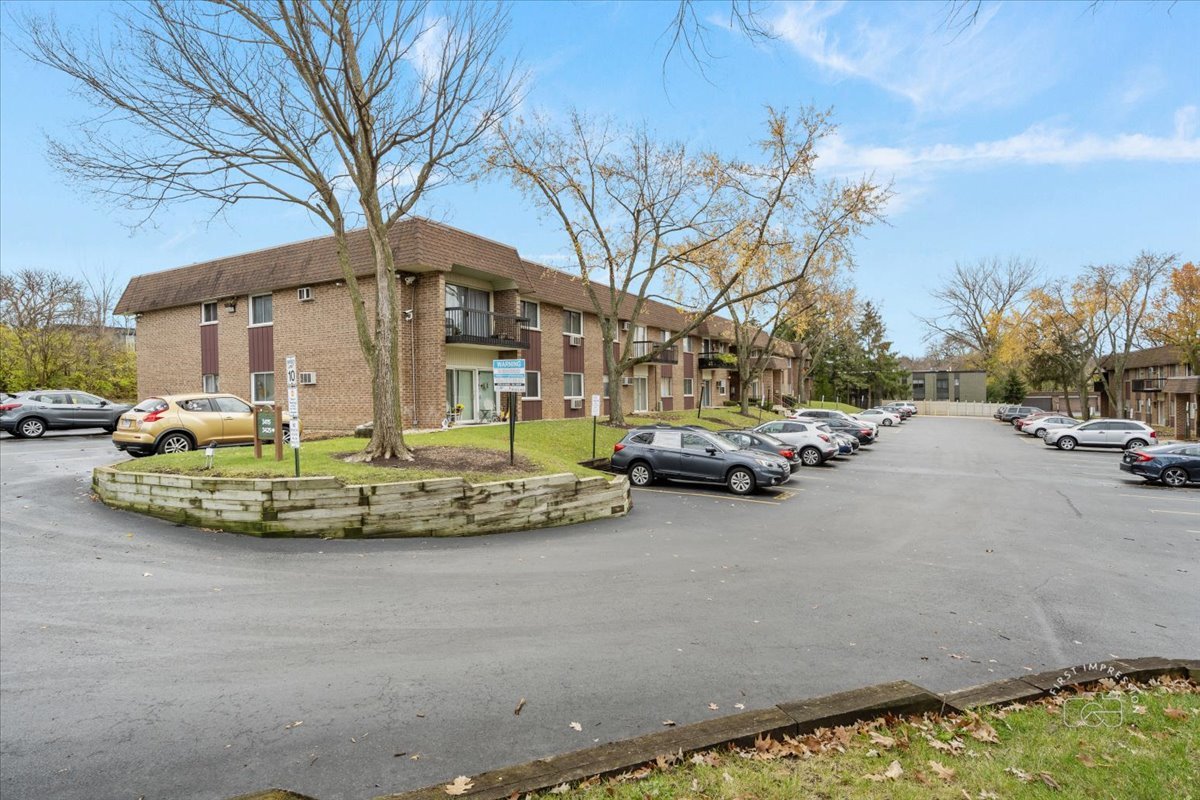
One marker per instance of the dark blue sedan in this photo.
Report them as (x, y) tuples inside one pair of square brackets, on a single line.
[(1173, 464)]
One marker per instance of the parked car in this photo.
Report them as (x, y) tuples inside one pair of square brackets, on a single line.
[(1125, 433), (1016, 412), (1000, 412), (690, 455), (865, 432), (179, 423), (1172, 464), (815, 446), (904, 411), (847, 445), (911, 408), (753, 440), (1040, 426), (878, 416), (825, 414), (30, 414)]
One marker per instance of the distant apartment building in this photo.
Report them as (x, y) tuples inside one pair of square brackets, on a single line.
[(946, 384), (1159, 388), (226, 325)]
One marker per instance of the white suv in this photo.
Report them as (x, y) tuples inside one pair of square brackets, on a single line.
[(1124, 433)]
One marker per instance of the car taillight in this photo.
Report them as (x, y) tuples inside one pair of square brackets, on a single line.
[(788, 453), (824, 438), (618, 447), (154, 416), (1143, 456), (864, 431), (9, 406), (1153, 435)]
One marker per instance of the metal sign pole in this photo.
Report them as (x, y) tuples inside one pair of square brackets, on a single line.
[(512, 428)]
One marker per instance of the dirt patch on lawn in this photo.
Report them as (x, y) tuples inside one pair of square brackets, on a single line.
[(462, 460)]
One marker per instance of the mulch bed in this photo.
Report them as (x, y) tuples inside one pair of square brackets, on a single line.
[(455, 459)]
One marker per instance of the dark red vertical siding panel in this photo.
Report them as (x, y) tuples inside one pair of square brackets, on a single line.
[(262, 349), (664, 371), (689, 365), (689, 403), (531, 409), (209, 361), (572, 357), (533, 356), (668, 403), (569, 412)]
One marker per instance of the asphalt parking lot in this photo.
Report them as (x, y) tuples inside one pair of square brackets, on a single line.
[(144, 659)]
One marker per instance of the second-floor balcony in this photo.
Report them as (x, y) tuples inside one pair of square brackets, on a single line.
[(658, 354), (710, 359), (1148, 384), (472, 326)]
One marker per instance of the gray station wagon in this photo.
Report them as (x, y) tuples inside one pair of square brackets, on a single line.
[(690, 455)]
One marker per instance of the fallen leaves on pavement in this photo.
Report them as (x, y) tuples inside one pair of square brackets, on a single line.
[(461, 785)]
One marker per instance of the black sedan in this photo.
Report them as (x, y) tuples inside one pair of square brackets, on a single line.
[(1173, 464), (753, 440), (864, 433)]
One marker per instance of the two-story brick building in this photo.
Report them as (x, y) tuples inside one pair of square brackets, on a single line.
[(226, 325), (1159, 388)]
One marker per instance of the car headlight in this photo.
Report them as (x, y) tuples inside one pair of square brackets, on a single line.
[(764, 462)]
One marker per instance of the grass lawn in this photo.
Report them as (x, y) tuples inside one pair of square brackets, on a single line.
[(551, 445), (1017, 753), (849, 409)]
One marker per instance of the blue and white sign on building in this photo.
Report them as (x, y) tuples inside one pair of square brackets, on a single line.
[(509, 374)]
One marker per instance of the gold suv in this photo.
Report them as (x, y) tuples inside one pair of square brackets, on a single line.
[(182, 422)]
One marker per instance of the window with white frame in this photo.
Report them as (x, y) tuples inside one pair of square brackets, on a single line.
[(687, 344), (262, 387), (666, 334), (604, 386), (664, 387), (720, 387), (533, 385), (212, 383), (261, 312), (208, 313), (532, 313), (687, 387), (572, 385), (573, 322)]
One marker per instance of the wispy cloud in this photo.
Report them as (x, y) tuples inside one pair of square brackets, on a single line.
[(913, 57), (1038, 144)]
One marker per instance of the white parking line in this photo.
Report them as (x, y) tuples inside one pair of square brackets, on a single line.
[(1157, 499), (782, 496), (1164, 511)]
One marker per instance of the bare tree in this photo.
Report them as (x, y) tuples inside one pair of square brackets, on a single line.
[(346, 109), (689, 32), (977, 304), (1123, 295), (651, 220)]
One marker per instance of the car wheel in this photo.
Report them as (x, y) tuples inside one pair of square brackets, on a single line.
[(31, 428), (811, 456), (1066, 443), (175, 443), (1040, 433), (1133, 443), (887, 422), (740, 480), (1174, 477), (640, 474)]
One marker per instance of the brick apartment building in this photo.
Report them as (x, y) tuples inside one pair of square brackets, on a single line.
[(1159, 388), (227, 325)]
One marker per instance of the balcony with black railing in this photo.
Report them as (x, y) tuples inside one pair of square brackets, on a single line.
[(1148, 384), (658, 354), (472, 326), (711, 359)]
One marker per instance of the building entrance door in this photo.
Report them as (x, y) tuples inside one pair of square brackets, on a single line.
[(474, 390), (641, 400)]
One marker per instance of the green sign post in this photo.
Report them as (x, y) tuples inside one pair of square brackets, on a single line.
[(266, 425)]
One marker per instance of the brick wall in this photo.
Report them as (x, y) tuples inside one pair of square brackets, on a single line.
[(168, 351)]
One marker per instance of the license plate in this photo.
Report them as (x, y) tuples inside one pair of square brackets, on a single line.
[(126, 423)]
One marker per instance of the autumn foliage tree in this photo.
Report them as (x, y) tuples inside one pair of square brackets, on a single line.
[(1174, 317)]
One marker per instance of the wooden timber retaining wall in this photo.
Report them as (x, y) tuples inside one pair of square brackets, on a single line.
[(326, 507)]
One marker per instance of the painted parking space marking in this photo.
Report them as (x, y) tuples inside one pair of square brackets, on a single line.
[(1165, 511), (1160, 499), (781, 496)]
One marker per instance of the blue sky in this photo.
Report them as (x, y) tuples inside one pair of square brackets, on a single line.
[(1047, 131)]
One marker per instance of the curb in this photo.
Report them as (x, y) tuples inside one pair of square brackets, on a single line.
[(791, 718)]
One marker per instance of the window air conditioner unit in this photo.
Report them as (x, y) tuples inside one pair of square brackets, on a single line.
[(308, 379), (625, 325), (304, 294), (575, 341), (577, 403), (627, 381)]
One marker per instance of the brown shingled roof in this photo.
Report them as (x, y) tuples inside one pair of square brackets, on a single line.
[(418, 244), (1150, 357)]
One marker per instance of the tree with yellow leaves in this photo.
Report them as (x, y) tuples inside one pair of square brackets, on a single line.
[(1175, 317)]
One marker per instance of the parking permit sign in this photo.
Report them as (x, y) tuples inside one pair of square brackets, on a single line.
[(293, 395), (509, 374)]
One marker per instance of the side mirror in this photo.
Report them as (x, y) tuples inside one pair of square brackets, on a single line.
[(712, 451), (103, 403)]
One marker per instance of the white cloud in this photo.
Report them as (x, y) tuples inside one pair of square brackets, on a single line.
[(1037, 144), (913, 57)]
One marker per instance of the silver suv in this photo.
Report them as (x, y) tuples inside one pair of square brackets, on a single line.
[(30, 414), (1123, 433)]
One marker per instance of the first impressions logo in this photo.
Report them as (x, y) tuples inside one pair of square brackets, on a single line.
[(1105, 709)]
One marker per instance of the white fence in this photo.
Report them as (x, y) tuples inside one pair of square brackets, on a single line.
[(950, 408)]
